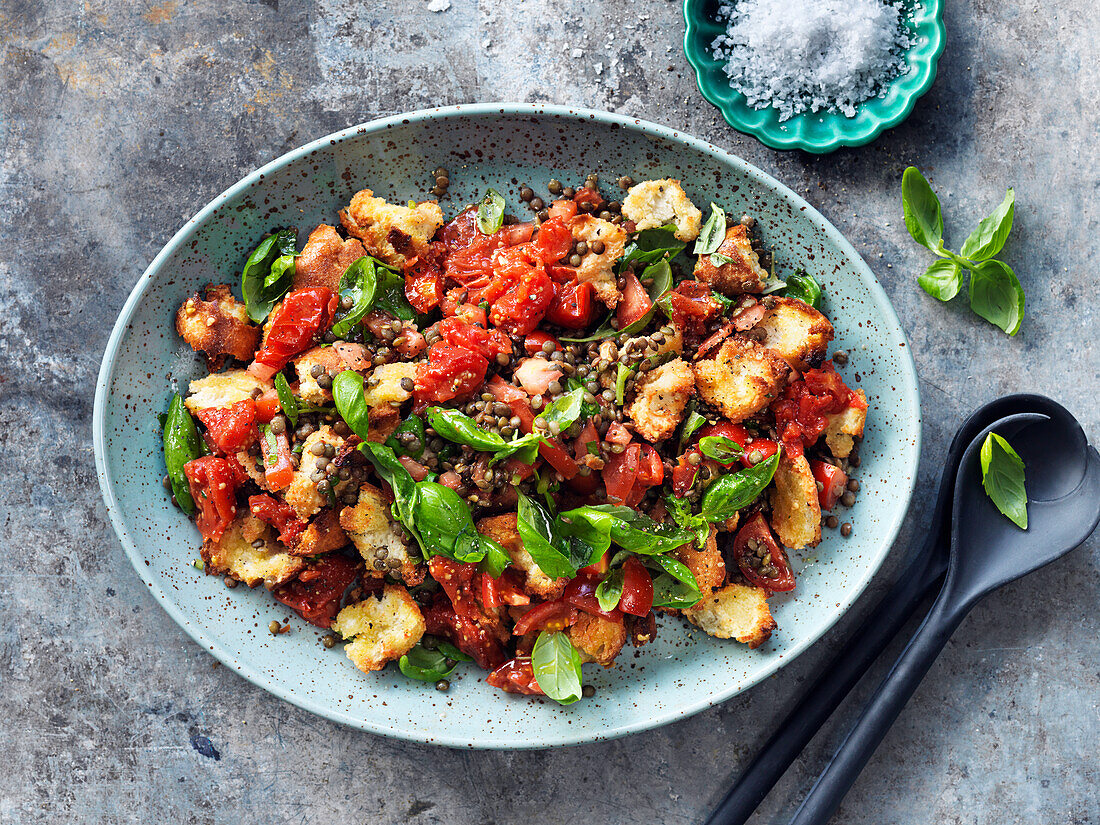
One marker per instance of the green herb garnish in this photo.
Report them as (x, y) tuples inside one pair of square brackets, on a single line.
[(1003, 479)]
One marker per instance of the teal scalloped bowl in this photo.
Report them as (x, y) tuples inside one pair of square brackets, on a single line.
[(499, 145), (816, 132)]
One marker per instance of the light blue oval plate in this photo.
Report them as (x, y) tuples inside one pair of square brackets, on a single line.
[(504, 146)]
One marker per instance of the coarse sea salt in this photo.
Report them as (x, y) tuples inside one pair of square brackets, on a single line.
[(799, 55)]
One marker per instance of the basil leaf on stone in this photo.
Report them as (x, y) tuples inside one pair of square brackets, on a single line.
[(942, 280), (536, 528), (651, 245), (713, 232), (996, 295), (691, 424), (610, 590), (262, 282), (413, 425), (921, 207), (426, 665), (992, 232), (722, 449), (1003, 479), (731, 492), (351, 402), (557, 667), (357, 284), (804, 287), (286, 399), (490, 212), (601, 524), (181, 444)]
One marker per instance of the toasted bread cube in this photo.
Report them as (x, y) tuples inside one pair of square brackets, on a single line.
[(391, 233), (796, 510), (844, 427), (322, 535), (597, 639), (217, 325), (737, 611), (384, 384), (302, 493), (660, 398), (253, 466), (325, 258), (235, 556), (740, 273), (599, 270), (655, 203), (371, 529), (223, 389), (502, 529), (707, 565), (381, 630), (325, 357), (382, 422), (796, 331), (741, 379)]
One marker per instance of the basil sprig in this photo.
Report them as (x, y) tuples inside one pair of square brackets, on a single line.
[(268, 273), (610, 589), (565, 409), (995, 292), (286, 399), (722, 449), (1003, 479), (557, 667), (595, 527), (692, 423), (803, 286), (358, 283), (713, 232), (460, 428), (181, 444), (490, 212), (731, 492), (431, 665), (350, 399), (536, 529)]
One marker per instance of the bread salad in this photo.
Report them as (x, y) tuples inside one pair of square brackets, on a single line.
[(514, 442)]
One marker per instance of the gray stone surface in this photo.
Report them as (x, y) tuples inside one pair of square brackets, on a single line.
[(118, 120)]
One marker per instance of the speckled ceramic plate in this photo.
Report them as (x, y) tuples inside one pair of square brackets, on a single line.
[(503, 146)]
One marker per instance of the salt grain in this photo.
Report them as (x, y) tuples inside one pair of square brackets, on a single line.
[(799, 55)]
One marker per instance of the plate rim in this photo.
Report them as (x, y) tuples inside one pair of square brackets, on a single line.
[(910, 417)]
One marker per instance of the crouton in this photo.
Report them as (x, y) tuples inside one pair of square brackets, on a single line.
[(707, 565), (252, 465), (302, 493), (322, 535), (741, 379), (597, 639), (660, 398), (381, 630), (223, 389), (502, 529), (235, 555), (738, 270), (388, 232), (384, 384), (382, 422), (796, 331), (217, 325), (655, 203), (329, 360), (844, 427), (325, 258), (371, 529), (796, 511), (599, 270), (737, 611)]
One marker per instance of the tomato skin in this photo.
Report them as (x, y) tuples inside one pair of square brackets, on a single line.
[(231, 429), (487, 342), (315, 595), (637, 598), (536, 338), (516, 399), (555, 615), (523, 306), (495, 593), (213, 482), (302, 316), (554, 241), (581, 593), (833, 481), (279, 515), (573, 306), (692, 304), (451, 372), (516, 676), (599, 568), (683, 474), (757, 529), (556, 456), (620, 472), (424, 278), (278, 467), (563, 208), (466, 634), (800, 412), (635, 302), (589, 435), (268, 406)]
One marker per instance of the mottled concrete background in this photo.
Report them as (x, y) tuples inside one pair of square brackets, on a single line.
[(118, 120)]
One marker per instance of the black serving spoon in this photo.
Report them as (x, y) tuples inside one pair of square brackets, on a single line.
[(987, 552), (882, 624)]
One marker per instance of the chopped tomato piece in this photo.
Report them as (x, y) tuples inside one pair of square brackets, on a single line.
[(558, 458), (563, 209), (581, 593), (756, 449), (488, 342), (635, 302), (278, 467), (513, 468), (516, 399), (618, 434), (466, 634), (760, 559), (231, 429), (279, 515), (451, 372), (683, 474), (213, 482), (588, 200), (589, 435), (800, 413), (535, 375), (637, 598), (535, 340), (692, 304), (555, 615), (620, 472), (520, 309), (456, 578), (315, 595), (572, 306), (831, 479), (516, 676), (302, 316), (506, 590), (554, 241), (516, 233), (600, 567), (748, 318), (268, 406), (424, 278), (651, 472)]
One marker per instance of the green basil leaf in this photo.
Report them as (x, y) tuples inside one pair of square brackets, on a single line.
[(996, 295), (942, 280), (557, 667), (425, 665), (1003, 479), (351, 402), (731, 492), (262, 281), (445, 523), (287, 242), (280, 276), (772, 284), (661, 274), (359, 284), (622, 373), (674, 567), (391, 471), (713, 232), (720, 448), (992, 232), (610, 590), (565, 409), (681, 513), (651, 245), (496, 557), (921, 207), (691, 424), (460, 428), (181, 444), (604, 330), (525, 448), (389, 295), (490, 212), (286, 399), (669, 591), (413, 424), (536, 528), (804, 287), (597, 526), (452, 652)]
